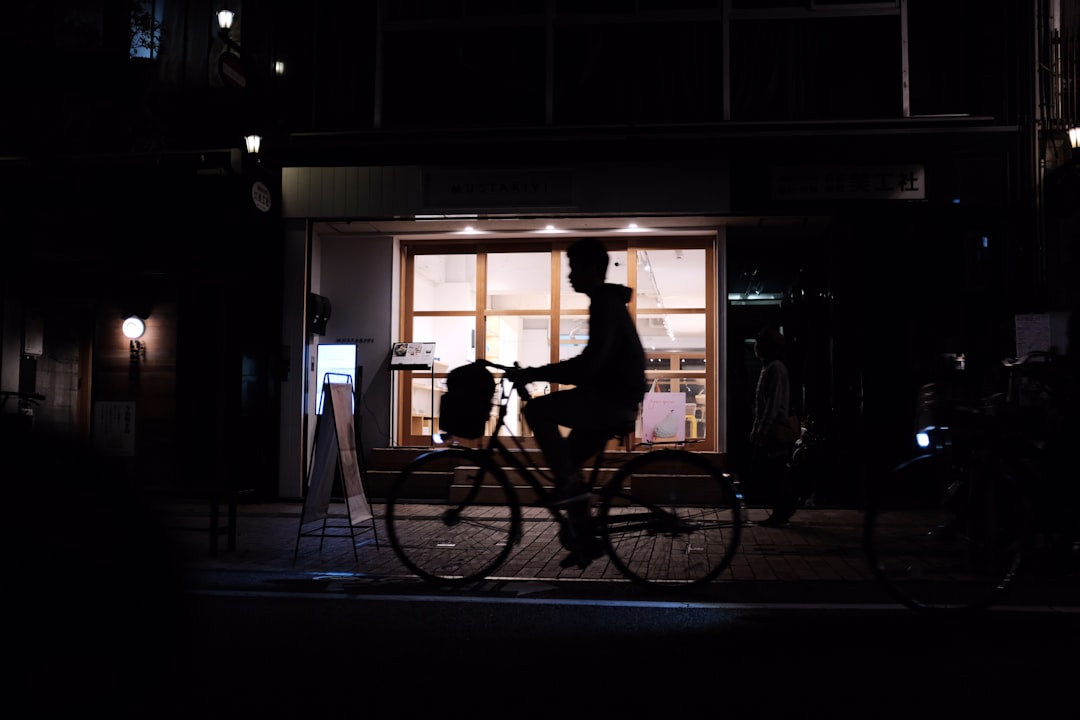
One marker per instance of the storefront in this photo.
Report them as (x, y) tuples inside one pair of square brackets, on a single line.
[(473, 261), (831, 251)]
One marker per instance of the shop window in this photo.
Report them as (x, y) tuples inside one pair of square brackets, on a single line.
[(511, 306)]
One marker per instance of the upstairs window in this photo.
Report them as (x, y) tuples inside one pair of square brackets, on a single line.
[(146, 28)]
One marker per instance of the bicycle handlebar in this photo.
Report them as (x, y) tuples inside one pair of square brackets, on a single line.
[(32, 396), (1028, 357), (522, 391)]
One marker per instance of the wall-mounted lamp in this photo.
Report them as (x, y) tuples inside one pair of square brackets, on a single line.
[(253, 143), (1074, 138), (225, 19), (133, 328)]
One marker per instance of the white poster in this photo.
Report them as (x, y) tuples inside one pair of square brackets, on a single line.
[(663, 417)]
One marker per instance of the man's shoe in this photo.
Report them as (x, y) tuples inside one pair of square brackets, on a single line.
[(774, 522), (582, 558)]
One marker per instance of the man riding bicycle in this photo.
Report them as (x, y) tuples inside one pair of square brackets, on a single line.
[(608, 379)]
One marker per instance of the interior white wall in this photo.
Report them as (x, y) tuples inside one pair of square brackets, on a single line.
[(357, 276)]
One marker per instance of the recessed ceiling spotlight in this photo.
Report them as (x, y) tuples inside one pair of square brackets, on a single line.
[(633, 227), (550, 229)]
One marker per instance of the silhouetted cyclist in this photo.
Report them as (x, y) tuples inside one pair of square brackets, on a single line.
[(608, 379)]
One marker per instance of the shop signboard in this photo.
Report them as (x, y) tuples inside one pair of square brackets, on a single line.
[(851, 182)]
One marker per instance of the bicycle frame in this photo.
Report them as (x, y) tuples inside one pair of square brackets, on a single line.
[(464, 535), (531, 473)]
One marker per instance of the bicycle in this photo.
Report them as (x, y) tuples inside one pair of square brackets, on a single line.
[(946, 531), (667, 517), (19, 423)]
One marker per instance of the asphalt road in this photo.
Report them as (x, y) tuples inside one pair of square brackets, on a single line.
[(312, 654), (99, 624)]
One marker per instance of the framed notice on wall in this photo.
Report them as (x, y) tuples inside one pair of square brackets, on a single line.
[(412, 356), (114, 428)]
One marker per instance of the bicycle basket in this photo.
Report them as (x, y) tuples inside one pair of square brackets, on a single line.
[(466, 406)]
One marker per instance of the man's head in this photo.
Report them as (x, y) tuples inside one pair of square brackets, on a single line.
[(588, 264), (768, 343)]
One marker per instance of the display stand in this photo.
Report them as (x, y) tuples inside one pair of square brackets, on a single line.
[(413, 356), (335, 455)]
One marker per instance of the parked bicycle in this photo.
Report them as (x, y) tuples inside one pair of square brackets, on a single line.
[(812, 466), (667, 517), (20, 421), (946, 530)]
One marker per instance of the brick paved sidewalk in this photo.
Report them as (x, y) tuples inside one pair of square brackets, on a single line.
[(820, 545), (818, 559)]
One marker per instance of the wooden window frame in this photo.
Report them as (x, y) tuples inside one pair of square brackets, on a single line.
[(410, 249)]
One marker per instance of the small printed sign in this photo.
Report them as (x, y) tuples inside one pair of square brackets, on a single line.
[(114, 429), (260, 195), (412, 356)]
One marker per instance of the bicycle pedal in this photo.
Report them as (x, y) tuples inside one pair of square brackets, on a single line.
[(572, 500)]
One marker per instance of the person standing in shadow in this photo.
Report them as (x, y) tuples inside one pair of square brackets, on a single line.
[(772, 438)]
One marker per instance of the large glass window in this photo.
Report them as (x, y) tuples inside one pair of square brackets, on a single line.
[(673, 302), (510, 305)]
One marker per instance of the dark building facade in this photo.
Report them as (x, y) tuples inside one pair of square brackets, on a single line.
[(900, 169)]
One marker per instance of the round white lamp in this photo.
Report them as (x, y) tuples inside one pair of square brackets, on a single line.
[(133, 327)]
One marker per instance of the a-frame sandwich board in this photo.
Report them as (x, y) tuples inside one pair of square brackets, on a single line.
[(335, 453)]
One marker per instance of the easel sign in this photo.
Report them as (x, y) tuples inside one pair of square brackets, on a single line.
[(335, 451), (412, 356)]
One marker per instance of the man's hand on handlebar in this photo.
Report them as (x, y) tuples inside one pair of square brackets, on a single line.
[(521, 376)]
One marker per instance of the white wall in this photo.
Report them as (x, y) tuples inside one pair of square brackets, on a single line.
[(357, 276)]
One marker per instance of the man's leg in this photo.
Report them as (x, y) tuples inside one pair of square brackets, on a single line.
[(545, 414), (778, 490), (565, 455), (584, 442)]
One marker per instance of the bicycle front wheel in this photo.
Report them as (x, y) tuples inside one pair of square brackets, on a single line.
[(670, 518), (945, 539), (452, 516)]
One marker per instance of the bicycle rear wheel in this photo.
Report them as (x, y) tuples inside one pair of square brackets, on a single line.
[(945, 539), (670, 518), (452, 516)]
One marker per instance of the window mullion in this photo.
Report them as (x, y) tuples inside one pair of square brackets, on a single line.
[(555, 313), (481, 303)]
